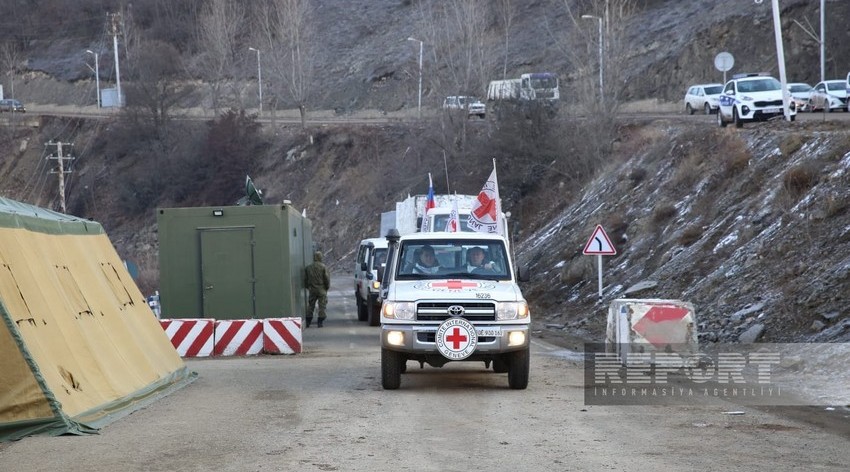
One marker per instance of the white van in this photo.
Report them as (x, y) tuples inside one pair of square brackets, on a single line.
[(368, 268)]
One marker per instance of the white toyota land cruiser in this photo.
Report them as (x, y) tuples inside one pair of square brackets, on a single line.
[(442, 301)]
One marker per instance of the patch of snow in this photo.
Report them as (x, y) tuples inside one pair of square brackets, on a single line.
[(729, 239), (560, 264)]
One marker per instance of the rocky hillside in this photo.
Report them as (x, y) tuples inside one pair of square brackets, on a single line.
[(752, 225)]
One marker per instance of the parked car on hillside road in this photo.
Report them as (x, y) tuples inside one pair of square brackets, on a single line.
[(829, 95), (801, 93), (752, 97), (703, 97), (473, 106), (12, 105)]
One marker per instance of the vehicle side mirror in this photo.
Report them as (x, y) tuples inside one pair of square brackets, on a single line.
[(523, 274)]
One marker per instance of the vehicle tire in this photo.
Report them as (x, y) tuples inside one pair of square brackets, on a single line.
[(720, 119), (688, 109), (707, 109), (793, 117), (518, 370), (501, 365), (827, 108), (391, 369), (374, 312), (736, 119), (362, 314)]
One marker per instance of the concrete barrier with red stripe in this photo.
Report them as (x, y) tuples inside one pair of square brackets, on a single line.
[(208, 337), (191, 337), (238, 337), (282, 335)]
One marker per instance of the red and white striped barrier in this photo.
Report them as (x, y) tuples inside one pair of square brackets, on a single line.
[(191, 337), (282, 335), (238, 337)]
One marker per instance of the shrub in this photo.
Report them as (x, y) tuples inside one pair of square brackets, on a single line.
[(690, 235), (799, 179)]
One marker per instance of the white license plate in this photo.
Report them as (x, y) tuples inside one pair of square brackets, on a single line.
[(489, 332), (772, 110)]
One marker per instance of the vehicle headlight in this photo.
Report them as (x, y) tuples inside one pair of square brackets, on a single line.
[(399, 310), (746, 98), (511, 310), (376, 285)]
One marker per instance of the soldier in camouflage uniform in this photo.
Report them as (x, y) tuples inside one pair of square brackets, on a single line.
[(318, 282)]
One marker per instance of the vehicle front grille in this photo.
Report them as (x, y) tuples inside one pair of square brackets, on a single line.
[(439, 311), (769, 103)]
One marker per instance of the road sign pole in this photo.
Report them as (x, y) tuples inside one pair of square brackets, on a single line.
[(599, 270)]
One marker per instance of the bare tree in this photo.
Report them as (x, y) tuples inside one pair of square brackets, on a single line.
[(507, 13), (220, 25), (286, 31), (10, 59), (157, 82), (454, 32)]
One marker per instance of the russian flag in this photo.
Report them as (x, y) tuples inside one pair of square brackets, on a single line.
[(429, 203)]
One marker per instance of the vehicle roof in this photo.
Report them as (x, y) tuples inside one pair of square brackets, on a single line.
[(832, 81), (706, 85), (377, 242), (450, 236)]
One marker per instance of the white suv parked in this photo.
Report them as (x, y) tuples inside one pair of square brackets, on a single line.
[(463, 102), (751, 97), (702, 98)]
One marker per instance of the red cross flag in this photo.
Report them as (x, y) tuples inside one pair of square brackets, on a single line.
[(484, 216)]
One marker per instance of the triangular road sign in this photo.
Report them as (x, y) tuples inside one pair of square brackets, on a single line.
[(599, 244)]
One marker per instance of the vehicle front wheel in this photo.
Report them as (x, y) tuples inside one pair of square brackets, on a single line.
[(707, 109), (391, 362), (518, 369), (362, 314), (720, 120), (737, 119), (374, 312), (688, 109)]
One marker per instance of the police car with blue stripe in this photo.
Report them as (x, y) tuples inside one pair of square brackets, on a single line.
[(751, 97)]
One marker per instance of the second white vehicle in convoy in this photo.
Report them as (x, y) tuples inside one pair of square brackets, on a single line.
[(752, 97), (703, 97)]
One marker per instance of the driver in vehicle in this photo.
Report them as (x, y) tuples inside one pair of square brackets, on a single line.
[(475, 261)]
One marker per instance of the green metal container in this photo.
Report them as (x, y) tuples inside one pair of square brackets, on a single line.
[(234, 262)]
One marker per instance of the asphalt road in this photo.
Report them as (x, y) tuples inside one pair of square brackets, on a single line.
[(325, 410)]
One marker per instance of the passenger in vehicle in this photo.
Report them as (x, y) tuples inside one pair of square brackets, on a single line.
[(427, 262)]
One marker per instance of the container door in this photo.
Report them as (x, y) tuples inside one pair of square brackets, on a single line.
[(227, 273)]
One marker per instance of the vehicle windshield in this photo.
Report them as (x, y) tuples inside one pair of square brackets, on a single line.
[(759, 85), (800, 88), (714, 90), (440, 222), (380, 257), (544, 82), (838, 85), (450, 259)]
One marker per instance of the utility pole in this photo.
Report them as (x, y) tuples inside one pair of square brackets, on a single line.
[(114, 30), (61, 158)]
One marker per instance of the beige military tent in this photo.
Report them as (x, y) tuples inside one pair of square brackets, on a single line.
[(79, 346)]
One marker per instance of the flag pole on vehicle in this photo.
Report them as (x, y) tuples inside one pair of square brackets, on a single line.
[(429, 203)]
